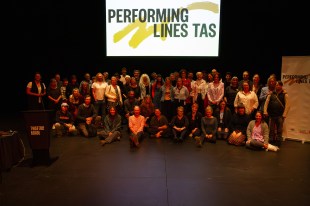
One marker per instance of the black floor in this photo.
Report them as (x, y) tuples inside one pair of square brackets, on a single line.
[(159, 173)]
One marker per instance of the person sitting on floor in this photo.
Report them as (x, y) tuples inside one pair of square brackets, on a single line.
[(179, 124), (208, 128), (64, 122), (159, 125), (258, 134), (87, 118), (112, 127), (136, 126), (223, 116), (238, 126), (194, 119)]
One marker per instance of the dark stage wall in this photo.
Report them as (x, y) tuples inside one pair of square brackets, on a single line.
[(68, 37)]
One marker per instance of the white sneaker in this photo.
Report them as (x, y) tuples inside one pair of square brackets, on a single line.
[(272, 148)]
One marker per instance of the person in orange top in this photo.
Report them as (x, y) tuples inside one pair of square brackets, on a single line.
[(136, 126)]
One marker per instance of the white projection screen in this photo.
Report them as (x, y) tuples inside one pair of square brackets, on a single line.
[(162, 28)]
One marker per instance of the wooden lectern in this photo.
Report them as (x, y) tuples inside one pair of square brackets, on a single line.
[(38, 127)]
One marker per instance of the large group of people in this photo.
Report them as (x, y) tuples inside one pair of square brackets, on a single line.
[(205, 109)]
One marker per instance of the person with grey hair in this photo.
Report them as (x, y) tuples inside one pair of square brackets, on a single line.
[(113, 95), (145, 85), (199, 91)]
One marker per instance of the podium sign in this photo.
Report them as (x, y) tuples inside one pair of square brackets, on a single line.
[(38, 126)]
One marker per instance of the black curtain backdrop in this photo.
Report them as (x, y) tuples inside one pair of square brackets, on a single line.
[(69, 37)]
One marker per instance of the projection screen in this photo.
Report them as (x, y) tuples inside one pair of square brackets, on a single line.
[(162, 28)]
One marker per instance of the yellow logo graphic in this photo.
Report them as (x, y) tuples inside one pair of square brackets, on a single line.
[(144, 32)]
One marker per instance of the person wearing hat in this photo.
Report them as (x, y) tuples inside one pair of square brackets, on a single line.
[(64, 122), (238, 126)]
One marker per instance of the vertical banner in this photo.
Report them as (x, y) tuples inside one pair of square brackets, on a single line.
[(296, 80)]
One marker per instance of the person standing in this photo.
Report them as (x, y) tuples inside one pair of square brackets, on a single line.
[(230, 93), (53, 94), (156, 90), (167, 97), (271, 86), (35, 91), (276, 108), (145, 85), (215, 91), (98, 92), (181, 94), (199, 91), (113, 94), (248, 98)]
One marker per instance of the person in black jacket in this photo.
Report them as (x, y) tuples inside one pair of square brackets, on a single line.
[(223, 116), (87, 118), (238, 126), (276, 108)]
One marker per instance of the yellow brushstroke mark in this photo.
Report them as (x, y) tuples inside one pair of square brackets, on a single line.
[(144, 32), (204, 6)]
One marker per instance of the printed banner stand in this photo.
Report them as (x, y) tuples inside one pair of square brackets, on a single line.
[(296, 79)]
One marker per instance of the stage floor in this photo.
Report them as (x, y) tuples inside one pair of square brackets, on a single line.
[(159, 173)]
